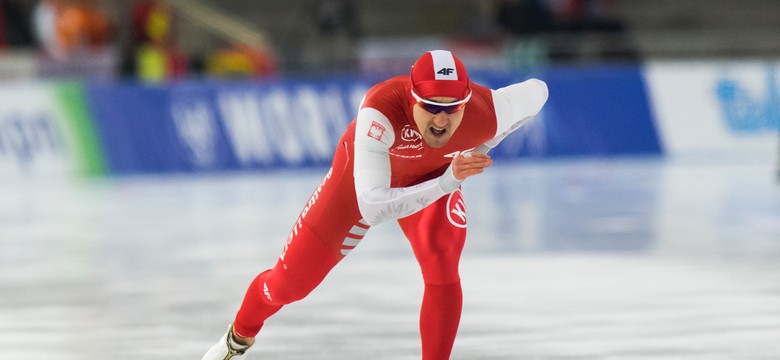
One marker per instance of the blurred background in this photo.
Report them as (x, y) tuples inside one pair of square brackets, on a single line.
[(174, 39), (698, 76), (154, 154)]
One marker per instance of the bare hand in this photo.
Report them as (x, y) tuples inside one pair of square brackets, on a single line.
[(463, 167)]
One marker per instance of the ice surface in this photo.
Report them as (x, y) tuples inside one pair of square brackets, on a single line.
[(568, 259)]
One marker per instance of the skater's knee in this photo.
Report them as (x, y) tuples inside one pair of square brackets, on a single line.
[(440, 268)]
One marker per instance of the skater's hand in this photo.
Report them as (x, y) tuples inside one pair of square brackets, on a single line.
[(469, 165)]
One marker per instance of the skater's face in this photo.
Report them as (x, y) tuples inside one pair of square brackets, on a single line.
[(437, 123)]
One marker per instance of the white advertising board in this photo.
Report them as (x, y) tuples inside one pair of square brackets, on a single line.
[(34, 134), (718, 109)]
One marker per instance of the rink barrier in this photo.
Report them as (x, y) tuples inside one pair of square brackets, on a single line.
[(65, 128), (202, 126)]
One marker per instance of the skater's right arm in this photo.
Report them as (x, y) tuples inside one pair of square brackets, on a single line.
[(377, 201)]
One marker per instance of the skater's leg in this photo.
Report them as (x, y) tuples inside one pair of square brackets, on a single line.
[(305, 263), (437, 240)]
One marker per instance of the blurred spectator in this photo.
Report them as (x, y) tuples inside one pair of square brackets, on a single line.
[(240, 61), (68, 28), (45, 25), (525, 17), (76, 37), (15, 30), (591, 15), (3, 41), (155, 53), (602, 17), (334, 15), (566, 30), (333, 45)]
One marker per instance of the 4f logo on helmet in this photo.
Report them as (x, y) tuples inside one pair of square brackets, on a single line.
[(445, 71)]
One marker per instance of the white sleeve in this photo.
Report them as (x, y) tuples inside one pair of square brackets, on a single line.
[(515, 106), (377, 201)]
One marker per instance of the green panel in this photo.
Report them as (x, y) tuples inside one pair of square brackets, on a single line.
[(89, 153)]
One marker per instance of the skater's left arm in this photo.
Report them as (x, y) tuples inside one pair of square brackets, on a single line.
[(515, 106)]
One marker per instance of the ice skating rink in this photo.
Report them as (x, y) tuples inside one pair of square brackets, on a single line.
[(628, 258)]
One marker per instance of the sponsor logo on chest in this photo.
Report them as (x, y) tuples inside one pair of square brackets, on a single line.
[(411, 145)]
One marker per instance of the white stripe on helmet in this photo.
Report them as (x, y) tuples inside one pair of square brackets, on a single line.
[(444, 65)]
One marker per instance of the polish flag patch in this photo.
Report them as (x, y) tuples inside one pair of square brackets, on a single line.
[(376, 130)]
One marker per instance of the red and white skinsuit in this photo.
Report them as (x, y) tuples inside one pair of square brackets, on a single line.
[(383, 170)]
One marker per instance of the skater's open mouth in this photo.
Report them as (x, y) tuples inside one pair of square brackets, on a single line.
[(437, 131)]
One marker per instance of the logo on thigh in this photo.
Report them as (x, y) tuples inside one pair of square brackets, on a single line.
[(456, 209)]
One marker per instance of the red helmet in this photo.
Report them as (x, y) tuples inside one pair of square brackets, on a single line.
[(439, 73)]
